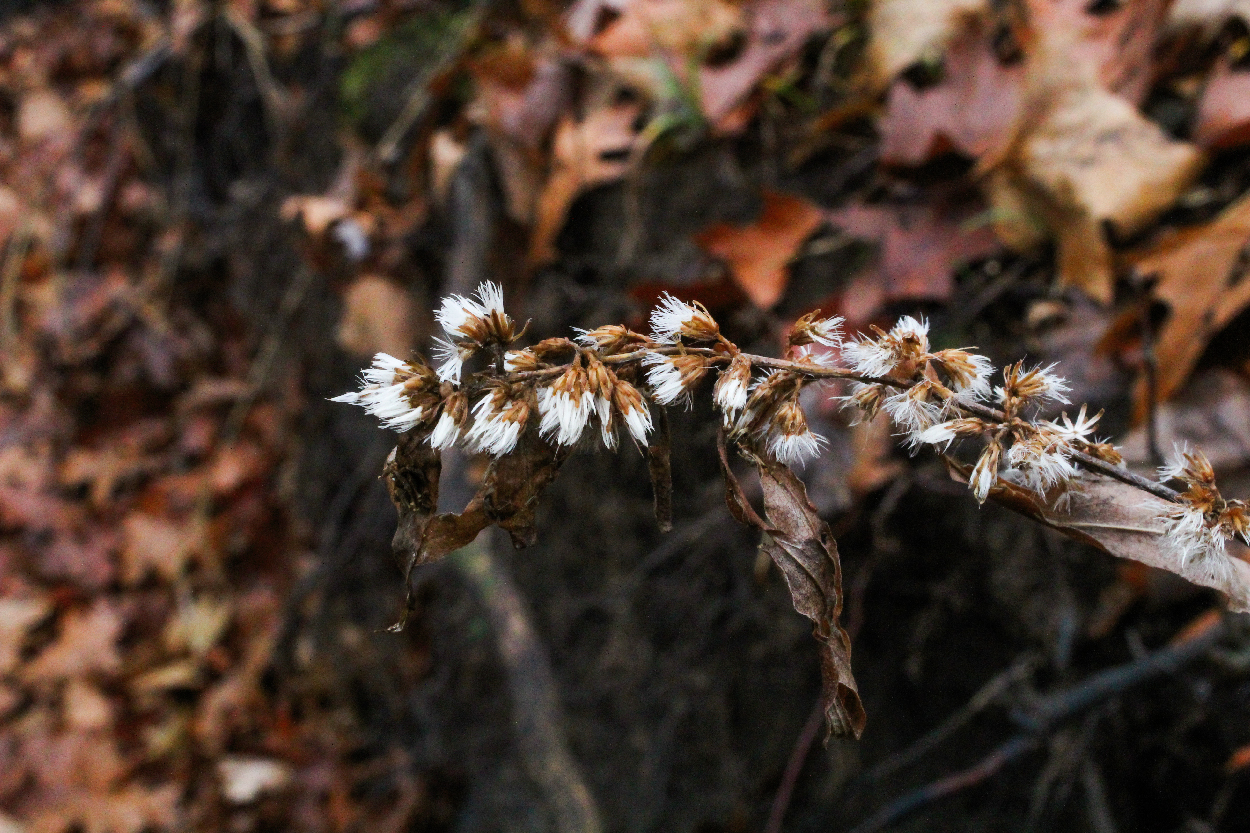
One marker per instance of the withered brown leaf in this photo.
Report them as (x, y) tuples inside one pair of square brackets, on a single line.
[(803, 548), (1124, 521)]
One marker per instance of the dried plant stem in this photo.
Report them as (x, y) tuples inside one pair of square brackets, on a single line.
[(820, 372), (536, 706)]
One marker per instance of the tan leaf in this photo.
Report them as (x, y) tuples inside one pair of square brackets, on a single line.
[(803, 548), (85, 707), (1087, 159), (378, 317), (87, 644), (43, 113), (1201, 275), (17, 616), (157, 544), (903, 32), (1207, 14), (589, 152), (1126, 522), (758, 254)]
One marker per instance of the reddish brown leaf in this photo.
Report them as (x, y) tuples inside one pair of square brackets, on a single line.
[(757, 254), (973, 110), (803, 548), (921, 244)]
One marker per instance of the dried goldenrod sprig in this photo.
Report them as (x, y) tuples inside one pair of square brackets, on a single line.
[(611, 376)]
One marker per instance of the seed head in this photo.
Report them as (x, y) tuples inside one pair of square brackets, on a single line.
[(671, 378), (450, 420), (790, 440), (730, 393), (1042, 460), (673, 319), (985, 473), (479, 322), (968, 373), (611, 339), (945, 433), (633, 410), (812, 328), (896, 351), (498, 419), (1039, 385), (401, 394), (565, 406)]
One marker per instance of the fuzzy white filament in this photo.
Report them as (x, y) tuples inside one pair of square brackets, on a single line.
[(827, 331), (794, 448), (445, 432)]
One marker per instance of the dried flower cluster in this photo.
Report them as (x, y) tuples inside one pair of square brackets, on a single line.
[(611, 377), (1201, 525)]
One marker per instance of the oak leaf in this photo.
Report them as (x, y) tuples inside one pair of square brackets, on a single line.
[(758, 253)]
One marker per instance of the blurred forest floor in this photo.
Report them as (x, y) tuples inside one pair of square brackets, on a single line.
[(212, 214)]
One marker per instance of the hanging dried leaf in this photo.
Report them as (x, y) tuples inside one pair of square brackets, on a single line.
[(802, 547), (508, 497), (758, 254), (1124, 521)]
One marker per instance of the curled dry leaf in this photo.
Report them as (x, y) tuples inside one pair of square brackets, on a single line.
[(803, 548), (903, 32), (757, 254), (507, 498), (660, 467), (1202, 277), (1123, 521)]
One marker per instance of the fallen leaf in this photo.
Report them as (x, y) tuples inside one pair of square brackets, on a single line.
[(757, 254), (1207, 14), (972, 110), (129, 810), (1088, 159), (776, 31), (42, 113), (1201, 275), (1126, 522), (803, 548), (1239, 760), (86, 644), (687, 28), (156, 544), (902, 32), (1223, 117), (17, 616), (85, 707), (1212, 412), (378, 317), (920, 244), (585, 153)]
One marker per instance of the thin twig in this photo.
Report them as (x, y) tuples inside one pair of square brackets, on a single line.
[(1047, 712), (794, 766)]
